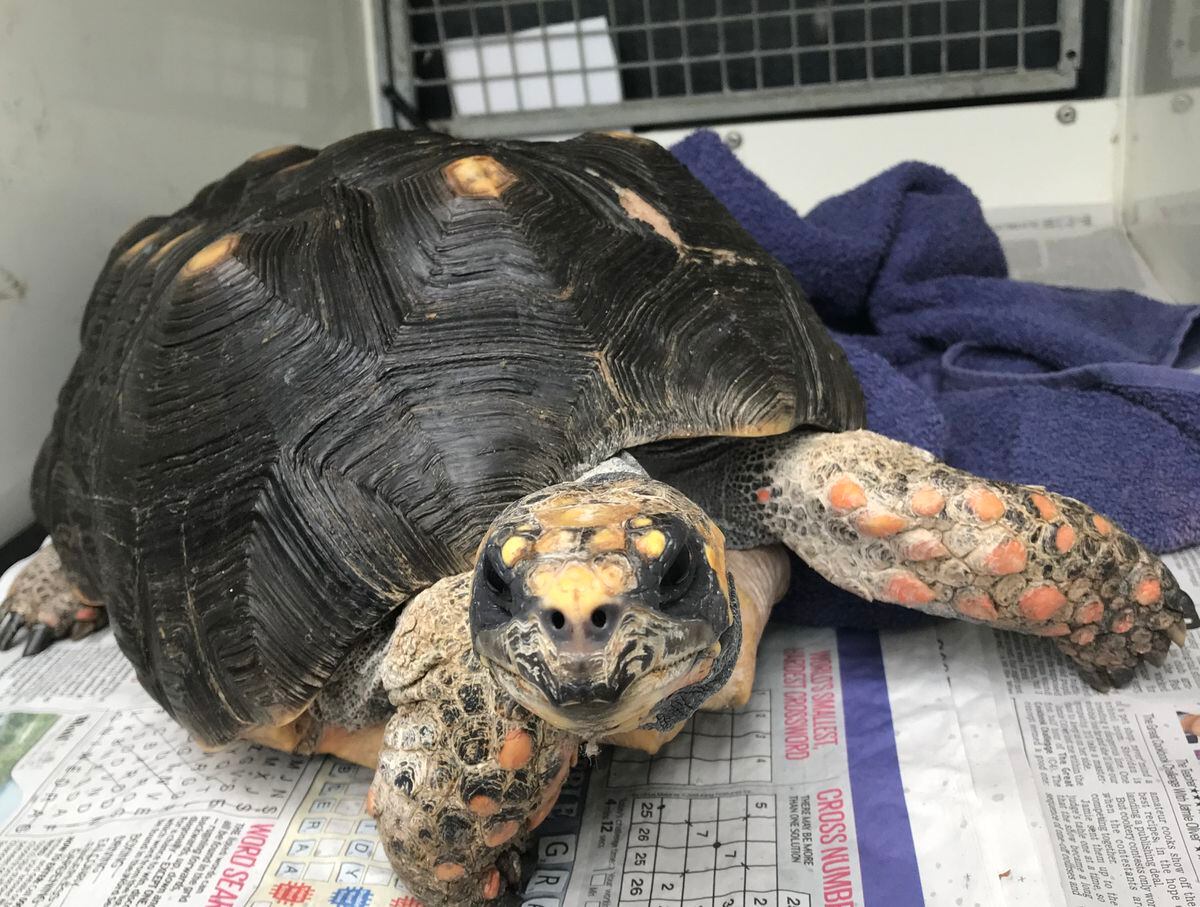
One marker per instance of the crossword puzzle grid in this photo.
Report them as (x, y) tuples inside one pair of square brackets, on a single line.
[(713, 748), (712, 852)]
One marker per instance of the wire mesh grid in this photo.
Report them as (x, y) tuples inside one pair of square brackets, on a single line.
[(536, 66)]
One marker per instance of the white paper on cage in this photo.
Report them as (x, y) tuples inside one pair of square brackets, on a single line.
[(534, 69), (943, 766), (1072, 246)]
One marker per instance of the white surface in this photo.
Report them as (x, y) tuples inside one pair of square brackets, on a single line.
[(502, 74), (113, 111), (1010, 155)]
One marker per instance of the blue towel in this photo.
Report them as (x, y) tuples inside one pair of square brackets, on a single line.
[(1086, 392)]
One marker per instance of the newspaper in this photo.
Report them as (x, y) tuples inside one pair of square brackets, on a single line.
[(808, 795), (944, 766)]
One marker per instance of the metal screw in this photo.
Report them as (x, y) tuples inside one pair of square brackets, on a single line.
[(1066, 114), (1181, 103), (733, 140)]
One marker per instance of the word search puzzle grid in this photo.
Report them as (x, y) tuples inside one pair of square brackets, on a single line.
[(136, 764), (713, 748), (331, 853)]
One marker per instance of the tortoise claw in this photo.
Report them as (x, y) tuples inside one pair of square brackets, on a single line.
[(10, 625), (39, 640), (1158, 658), (1120, 676)]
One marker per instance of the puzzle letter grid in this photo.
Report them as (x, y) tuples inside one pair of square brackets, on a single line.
[(699, 824), (331, 852), (134, 764)]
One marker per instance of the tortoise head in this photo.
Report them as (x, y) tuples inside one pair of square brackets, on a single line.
[(603, 605)]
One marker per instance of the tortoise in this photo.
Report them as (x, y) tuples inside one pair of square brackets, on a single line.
[(449, 457)]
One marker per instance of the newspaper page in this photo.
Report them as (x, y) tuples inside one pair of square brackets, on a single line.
[(827, 788), (1103, 785)]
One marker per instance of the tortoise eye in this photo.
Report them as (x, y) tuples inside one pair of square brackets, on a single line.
[(678, 573), (496, 584)]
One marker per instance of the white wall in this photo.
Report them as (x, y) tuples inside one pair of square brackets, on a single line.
[(1161, 165), (110, 111), (1011, 155)]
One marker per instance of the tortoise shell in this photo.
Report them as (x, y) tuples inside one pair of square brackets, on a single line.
[(305, 396)]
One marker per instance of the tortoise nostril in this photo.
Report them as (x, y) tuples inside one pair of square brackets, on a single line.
[(599, 618), (558, 620)]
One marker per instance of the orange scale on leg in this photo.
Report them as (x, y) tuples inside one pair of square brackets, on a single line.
[(449, 872), (1089, 612), (516, 750), (1040, 602), (491, 884), (1122, 623), (927, 501), (1046, 508), (845, 495), (1083, 636), (904, 588), (880, 525), (976, 605), (985, 504), (1064, 539), (1006, 558), (1148, 591)]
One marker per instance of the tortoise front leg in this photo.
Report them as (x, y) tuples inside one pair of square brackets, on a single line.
[(888, 521), (465, 773)]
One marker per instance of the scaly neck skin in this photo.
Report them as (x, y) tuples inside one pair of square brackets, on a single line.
[(622, 464)]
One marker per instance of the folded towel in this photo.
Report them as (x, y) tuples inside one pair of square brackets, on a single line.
[(1086, 392)]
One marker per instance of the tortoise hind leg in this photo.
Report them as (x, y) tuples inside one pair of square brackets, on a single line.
[(45, 602), (888, 521), (348, 717)]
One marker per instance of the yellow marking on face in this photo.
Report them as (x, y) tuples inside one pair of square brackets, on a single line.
[(640, 522), (577, 589), (714, 553), (216, 251), (525, 527), (607, 539), (556, 541), (270, 152), (478, 176), (512, 550), (652, 544)]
